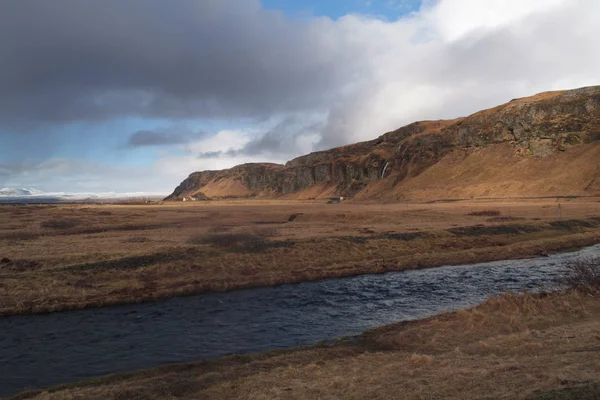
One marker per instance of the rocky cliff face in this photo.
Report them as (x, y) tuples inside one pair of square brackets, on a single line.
[(541, 126)]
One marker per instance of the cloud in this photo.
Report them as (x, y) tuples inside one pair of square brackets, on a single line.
[(224, 141), (65, 175), (456, 57), (72, 175), (70, 60), (287, 138), (288, 86), (454, 20), (166, 137)]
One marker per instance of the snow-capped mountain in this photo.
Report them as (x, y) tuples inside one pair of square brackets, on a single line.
[(34, 194), (15, 192)]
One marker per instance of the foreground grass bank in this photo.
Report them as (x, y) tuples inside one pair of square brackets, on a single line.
[(512, 347), (57, 258)]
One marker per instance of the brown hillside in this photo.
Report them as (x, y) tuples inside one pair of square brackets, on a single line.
[(544, 145)]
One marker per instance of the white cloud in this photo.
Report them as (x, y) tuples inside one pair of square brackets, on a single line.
[(456, 57), (223, 141), (455, 19), (451, 58)]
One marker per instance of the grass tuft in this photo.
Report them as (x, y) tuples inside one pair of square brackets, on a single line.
[(137, 239), (420, 359), (18, 265), (486, 213), (60, 223), (293, 217), (219, 229), (267, 231), (21, 236), (504, 219)]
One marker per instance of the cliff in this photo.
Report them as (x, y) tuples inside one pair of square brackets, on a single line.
[(544, 145)]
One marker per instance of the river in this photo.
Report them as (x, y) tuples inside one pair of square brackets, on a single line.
[(43, 350)]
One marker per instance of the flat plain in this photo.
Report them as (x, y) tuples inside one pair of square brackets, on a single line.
[(59, 257)]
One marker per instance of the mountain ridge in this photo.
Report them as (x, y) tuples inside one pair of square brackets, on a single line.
[(543, 145)]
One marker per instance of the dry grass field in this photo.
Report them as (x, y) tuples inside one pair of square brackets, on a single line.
[(58, 257), (531, 347)]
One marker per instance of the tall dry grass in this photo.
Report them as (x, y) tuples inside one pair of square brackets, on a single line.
[(582, 275)]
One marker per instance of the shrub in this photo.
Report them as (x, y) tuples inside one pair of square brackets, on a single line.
[(420, 359), (137, 239), (242, 242), (293, 217), (582, 275), (486, 213), (60, 223), (21, 236), (267, 231), (19, 265), (233, 241), (219, 229), (504, 219)]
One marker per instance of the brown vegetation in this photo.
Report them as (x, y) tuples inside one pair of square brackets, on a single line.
[(530, 347), (62, 223), (504, 219), (126, 254), (243, 241), (582, 275), (486, 213)]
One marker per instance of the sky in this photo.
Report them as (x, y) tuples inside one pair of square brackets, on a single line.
[(133, 96)]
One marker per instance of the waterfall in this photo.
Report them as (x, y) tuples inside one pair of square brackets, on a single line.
[(384, 168)]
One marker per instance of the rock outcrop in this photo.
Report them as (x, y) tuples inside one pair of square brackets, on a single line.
[(547, 144)]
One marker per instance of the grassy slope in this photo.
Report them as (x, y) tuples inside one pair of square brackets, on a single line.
[(511, 347), (499, 171)]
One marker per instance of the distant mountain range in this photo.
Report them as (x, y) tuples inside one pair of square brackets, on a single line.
[(11, 195)]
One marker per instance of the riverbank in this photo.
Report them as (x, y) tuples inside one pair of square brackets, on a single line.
[(141, 336), (56, 258), (515, 347)]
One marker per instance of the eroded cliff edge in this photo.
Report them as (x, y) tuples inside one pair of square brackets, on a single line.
[(544, 145)]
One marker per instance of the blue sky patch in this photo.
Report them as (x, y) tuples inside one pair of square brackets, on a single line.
[(334, 9)]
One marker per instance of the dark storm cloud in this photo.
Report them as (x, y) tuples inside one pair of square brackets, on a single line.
[(146, 138), (70, 60), (212, 154)]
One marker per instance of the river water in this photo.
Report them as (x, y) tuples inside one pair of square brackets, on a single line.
[(44, 350)]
